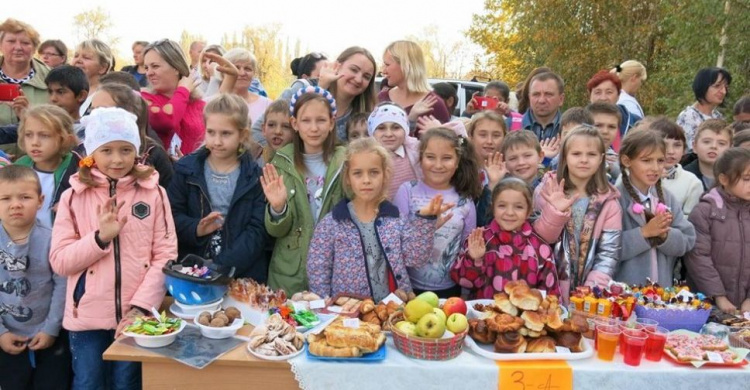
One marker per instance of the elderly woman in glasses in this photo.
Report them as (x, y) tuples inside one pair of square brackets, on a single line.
[(53, 53), (18, 42)]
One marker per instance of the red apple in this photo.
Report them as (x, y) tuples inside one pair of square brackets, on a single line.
[(454, 305)]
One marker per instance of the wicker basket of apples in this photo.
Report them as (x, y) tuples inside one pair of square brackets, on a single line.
[(424, 330)]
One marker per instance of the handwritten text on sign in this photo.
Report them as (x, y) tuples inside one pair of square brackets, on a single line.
[(535, 375)]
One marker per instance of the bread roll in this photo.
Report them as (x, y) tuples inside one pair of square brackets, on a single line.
[(510, 342), (541, 345), (553, 320), (502, 301), (526, 299), (533, 320), (514, 284)]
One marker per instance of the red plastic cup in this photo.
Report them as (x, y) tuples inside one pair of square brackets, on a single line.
[(608, 336), (635, 343), (623, 328), (647, 323), (655, 341), (603, 322)]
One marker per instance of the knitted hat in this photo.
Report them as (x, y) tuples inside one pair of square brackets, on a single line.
[(109, 124), (387, 112), (316, 90)]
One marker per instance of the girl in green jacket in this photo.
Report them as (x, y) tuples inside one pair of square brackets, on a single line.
[(302, 184)]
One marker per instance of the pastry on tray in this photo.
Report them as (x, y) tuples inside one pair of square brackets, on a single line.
[(541, 345), (510, 342), (338, 340)]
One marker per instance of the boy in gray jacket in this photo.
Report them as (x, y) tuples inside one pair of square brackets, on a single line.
[(33, 351)]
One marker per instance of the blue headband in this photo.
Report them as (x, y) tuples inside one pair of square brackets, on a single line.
[(316, 90)]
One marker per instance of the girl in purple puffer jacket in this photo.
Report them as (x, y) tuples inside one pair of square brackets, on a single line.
[(363, 246)]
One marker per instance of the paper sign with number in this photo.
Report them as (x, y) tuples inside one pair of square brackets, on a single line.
[(535, 375)]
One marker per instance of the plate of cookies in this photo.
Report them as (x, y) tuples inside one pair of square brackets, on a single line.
[(521, 323), (686, 347)]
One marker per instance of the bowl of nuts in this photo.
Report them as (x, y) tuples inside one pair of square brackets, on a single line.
[(219, 324)]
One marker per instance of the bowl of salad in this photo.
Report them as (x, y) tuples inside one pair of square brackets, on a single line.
[(150, 332)]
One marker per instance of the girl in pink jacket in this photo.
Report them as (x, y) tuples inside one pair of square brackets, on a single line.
[(113, 234), (588, 251)]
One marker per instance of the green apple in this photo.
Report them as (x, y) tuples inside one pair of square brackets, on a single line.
[(414, 310), (430, 326), (457, 323), (430, 297), (440, 313), (407, 327)]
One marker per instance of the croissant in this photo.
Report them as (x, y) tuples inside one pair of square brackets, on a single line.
[(382, 312), (392, 307), (369, 316), (367, 306), (510, 342)]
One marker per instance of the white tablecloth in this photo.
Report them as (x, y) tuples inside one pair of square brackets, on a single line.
[(469, 371)]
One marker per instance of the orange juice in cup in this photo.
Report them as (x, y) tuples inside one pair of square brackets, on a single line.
[(607, 337), (604, 322)]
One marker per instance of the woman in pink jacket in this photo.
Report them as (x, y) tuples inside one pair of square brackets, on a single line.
[(113, 234)]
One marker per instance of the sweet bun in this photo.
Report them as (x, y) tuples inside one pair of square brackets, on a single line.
[(502, 302), (571, 340), (552, 319), (510, 342), (504, 323), (513, 284), (576, 324), (533, 320), (526, 298), (541, 345), (480, 332)]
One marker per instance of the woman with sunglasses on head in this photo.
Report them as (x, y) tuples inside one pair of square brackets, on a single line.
[(351, 81)]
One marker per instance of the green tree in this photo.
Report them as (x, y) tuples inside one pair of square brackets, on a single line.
[(273, 62), (95, 23), (672, 38)]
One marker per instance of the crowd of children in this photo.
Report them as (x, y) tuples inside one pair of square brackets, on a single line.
[(96, 206)]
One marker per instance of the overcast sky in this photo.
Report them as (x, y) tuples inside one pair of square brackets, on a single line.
[(325, 25)]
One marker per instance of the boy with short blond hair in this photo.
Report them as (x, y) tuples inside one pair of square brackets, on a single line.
[(712, 138), (523, 156), (33, 347)]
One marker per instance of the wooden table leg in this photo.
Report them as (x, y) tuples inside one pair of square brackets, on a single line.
[(167, 376)]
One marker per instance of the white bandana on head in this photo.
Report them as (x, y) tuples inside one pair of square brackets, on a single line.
[(108, 124)]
